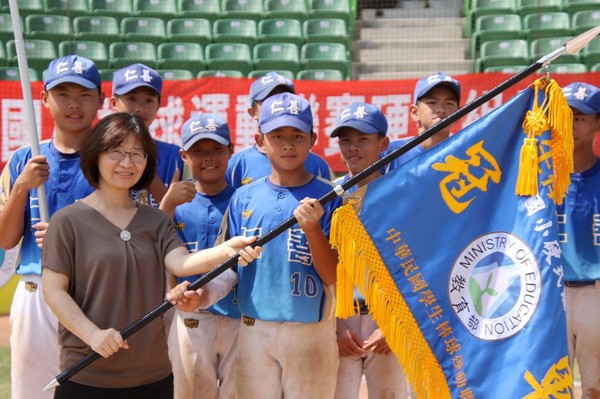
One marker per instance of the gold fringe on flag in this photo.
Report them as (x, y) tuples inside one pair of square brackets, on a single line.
[(555, 114), (360, 264)]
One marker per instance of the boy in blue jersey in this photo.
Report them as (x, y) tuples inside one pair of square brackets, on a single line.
[(435, 97), (361, 131), (72, 93), (252, 163), (202, 342), (579, 220), (137, 89), (286, 342)]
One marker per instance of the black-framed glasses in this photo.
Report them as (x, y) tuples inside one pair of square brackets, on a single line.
[(116, 154)]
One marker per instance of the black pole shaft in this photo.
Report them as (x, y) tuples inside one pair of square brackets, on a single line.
[(231, 262)]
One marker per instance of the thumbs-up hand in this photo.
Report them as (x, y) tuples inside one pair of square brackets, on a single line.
[(179, 192)]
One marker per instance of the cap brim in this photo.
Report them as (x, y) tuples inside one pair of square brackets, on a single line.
[(285, 121), (263, 94), (358, 125), (581, 107), (131, 86), (201, 136), (88, 84)]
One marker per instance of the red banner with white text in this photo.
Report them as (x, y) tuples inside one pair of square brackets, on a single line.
[(229, 98)]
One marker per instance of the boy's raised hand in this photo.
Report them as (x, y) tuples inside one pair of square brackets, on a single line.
[(179, 192)]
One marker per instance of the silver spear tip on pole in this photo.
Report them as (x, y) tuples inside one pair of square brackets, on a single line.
[(53, 384), (572, 46)]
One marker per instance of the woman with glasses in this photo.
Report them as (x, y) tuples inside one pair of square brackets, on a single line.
[(104, 260)]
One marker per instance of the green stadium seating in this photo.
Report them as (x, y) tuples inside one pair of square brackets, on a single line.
[(280, 31), (326, 56), (113, 8), (327, 30), (164, 9), (331, 9), (591, 53), (595, 68), (567, 68), (525, 7), (12, 73), (512, 69), (208, 9), (97, 27), (6, 29), (292, 9), (572, 6), (3, 59), (277, 56), (28, 7), (123, 54), (495, 27), (55, 28), (235, 31), (320, 74), (176, 74), (95, 51), (136, 29), (223, 73), (541, 47), (229, 56), (188, 56), (106, 75), (488, 7), (243, 9), (581, 21), (550, 24), (70, 8), (194, 30), (502, 53), (39, 52), (257, 73)]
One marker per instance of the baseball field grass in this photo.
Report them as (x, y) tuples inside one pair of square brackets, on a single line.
[(4, 372)]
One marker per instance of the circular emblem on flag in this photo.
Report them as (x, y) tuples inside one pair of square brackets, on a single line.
[(495, 286), (8, 264)]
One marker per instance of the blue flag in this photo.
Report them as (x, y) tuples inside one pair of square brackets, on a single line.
[(463, 276)]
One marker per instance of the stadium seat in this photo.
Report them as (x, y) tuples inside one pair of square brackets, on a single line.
[(291, 9), (541, 47), (257, 73), (12, 73), (327, 30), (113, 8), (95, 51), (595, 68), (235, 31), (6, 29), (208, 9), (488, 7), (164, 9), (246, 9), (135, 29), (502, 53), (3, 58), (277, 56), (106, 75), (28, 7), (326, 56), (320, 74), (584, 20), (188, 56), (194, 30), (55, 28), (39, 53), (331, 9), (591, 53), (525, 7), (229, 56), (550, 24), (223, 73), (495, 27), (512, 69), (70, 8), (567, 68), (573, 6), (176, 74), (280, 31), (123, 54), (97, 27)]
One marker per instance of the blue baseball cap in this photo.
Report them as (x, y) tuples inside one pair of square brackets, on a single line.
[(204, 126), (134, 76), (439, 79), (364, 117), (72, 69), (584, 97), (285, 109), (263, 86)]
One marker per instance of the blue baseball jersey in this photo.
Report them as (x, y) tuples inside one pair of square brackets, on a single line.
[(250, 165), (65, 185), (282, 285), (404, 158), (579, 224), (198, 223), (168, 160)]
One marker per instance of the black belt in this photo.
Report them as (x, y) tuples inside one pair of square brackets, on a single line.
[(361, 307), (577, 284)]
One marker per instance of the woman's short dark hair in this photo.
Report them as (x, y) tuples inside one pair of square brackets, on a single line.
[(111, 131)]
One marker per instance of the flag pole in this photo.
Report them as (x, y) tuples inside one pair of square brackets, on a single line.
[(27, 100), (571, 47)]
